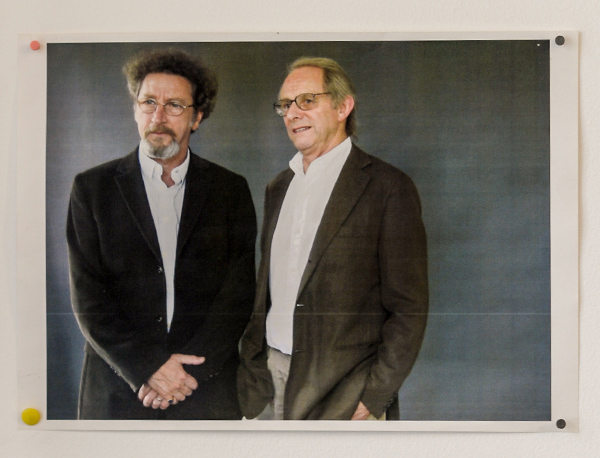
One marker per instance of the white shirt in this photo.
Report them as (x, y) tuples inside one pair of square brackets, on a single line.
[(165, 205), (299, 219)]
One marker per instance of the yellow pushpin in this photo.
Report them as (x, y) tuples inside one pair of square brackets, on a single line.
[(30, 416)]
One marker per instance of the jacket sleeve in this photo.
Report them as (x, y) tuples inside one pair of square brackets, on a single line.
[(132, 354), (404, 295)]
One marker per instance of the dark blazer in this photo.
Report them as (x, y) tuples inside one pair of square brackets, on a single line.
[(118, 288), (362, 302)]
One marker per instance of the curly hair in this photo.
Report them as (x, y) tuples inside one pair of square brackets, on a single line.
[(336, 82), (174, 62)]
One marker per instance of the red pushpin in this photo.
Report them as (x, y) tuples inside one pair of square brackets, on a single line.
[(34, 45)]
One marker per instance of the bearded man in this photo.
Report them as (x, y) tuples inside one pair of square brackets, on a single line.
[(161, 252)]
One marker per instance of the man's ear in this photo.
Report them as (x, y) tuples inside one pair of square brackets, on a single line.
[(196, 122), (345, 108)]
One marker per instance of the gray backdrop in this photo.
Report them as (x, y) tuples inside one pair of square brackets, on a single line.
[(467, 120)]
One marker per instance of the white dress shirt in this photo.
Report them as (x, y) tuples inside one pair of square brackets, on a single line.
[(165, 204), (299, 219)]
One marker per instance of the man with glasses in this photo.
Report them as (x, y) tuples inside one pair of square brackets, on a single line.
[(161, 251), (342, 293)]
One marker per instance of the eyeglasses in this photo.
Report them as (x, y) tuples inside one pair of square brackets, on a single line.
[(304, 101), (171, 108)]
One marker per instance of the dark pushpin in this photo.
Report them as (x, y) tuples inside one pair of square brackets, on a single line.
[(559, 40), (560, 424)]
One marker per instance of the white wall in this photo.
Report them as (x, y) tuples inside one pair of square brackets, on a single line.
[(108, 16)]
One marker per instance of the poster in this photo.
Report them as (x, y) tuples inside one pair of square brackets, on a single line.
[(485, 125)]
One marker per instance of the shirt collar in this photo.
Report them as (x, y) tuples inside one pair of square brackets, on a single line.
[(342, 149), (153, 170)]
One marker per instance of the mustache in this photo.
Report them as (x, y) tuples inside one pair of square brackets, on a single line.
[(159, 130)]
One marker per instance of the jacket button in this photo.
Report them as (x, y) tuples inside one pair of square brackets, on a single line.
[(159, 318), (160, 269)]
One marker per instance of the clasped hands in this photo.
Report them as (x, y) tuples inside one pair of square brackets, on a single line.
[(171, 383)]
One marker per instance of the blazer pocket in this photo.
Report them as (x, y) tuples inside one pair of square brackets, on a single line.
[(357, 231), (209, 238)]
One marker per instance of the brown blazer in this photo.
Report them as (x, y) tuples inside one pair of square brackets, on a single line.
[(362, 302)]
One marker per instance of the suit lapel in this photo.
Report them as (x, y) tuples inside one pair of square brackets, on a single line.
[(276, 197), (197, 184), (131, 185), (348, 188)]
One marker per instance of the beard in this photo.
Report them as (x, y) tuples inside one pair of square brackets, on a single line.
[(160, 151)]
